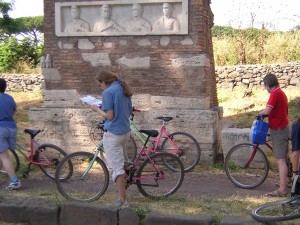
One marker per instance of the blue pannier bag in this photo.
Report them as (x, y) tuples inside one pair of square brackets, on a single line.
[(259, 131)]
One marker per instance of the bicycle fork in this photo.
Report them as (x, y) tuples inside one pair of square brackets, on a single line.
[(89, 167)]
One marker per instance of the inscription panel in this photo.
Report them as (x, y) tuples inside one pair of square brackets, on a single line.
[(119, 18)]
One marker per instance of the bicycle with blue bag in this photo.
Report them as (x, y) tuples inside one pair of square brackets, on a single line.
[(246, 164)]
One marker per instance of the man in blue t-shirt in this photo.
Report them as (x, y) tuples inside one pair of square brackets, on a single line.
[(296, 145), (8, 135)]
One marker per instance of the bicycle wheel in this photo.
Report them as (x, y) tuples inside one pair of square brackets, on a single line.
[(244, 172), (49, 156), (156, 180), (15, 161), (188, 149), (96, 133), (131, 150), (80, 187), (281, 210)]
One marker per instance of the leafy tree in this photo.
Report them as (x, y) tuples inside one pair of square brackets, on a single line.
[(7, 24), (220, 31), (32, 27)]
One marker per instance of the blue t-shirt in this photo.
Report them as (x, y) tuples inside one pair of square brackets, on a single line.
[(296, 136), (113, 98), (7, 110)]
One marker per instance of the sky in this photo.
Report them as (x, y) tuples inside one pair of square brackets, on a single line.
[(274, 14)]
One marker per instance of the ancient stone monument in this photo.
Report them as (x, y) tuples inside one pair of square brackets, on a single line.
[(163, 49)]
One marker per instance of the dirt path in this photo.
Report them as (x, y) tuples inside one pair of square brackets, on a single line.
[(195, 185)]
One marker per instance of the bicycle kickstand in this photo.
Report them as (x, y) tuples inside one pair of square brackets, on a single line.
[(26, 173)]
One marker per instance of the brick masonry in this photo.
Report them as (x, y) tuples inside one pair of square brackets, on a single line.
[(170, 75)]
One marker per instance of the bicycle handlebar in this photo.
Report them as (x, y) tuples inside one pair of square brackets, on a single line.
[(135, 109), (261, 116)]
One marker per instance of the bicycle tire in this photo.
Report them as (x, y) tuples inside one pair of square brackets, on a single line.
[(96, 134), (246, 177), (131, 150), (15, 161), (189, 149), (154, 186), (87, 189), (281, 210), (49, 153)]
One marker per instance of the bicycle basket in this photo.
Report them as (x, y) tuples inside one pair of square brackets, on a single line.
[(259, 131)]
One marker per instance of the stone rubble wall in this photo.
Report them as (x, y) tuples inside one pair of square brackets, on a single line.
[(252, 75), (23, 82)]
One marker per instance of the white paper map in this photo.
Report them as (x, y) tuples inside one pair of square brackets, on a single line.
[(90, 100)]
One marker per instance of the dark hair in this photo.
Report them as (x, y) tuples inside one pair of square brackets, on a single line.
[(109, 77), (2, 85), (271, 80)]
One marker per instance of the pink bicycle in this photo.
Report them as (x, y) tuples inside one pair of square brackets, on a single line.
[(156, 175)]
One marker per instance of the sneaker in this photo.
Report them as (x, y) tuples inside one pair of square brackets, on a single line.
[(119, 204), (14, 185)]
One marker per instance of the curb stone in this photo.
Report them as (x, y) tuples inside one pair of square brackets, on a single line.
[(31, 211), (158, 219), (239, 220), (37, 212)]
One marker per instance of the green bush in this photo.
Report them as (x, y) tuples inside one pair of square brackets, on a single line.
[(14, 51)]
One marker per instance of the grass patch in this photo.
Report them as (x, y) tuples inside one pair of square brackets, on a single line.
[(240, 111)]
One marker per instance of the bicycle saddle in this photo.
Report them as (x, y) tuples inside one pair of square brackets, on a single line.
[(152, 133), (164, 118), (32, 133)]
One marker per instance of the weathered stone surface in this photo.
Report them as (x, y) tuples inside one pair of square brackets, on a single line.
[(158, 219), (137, 62), (29, 211), (85, 44), (97, 59), (128, 216), (189, 60), (239, 220), (233, 136), (51, 74), (83, 213)]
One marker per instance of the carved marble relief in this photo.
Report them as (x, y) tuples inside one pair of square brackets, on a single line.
[(117, 18)]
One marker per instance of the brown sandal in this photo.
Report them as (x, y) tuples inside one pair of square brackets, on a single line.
[(276, 193)]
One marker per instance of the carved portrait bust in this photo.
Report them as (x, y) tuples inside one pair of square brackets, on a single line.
[(106, 24), (166, 22), (76, 24), (138, 23)]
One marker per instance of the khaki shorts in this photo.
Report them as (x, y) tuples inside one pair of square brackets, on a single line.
[(115, 151), (280, 139)]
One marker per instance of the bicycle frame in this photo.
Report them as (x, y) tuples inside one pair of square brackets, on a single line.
[(137, 133), (143, 153), (34, 145), (254, 152)]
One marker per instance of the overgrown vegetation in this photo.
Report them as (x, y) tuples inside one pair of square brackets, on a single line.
[(254, 46), (240, 111)]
